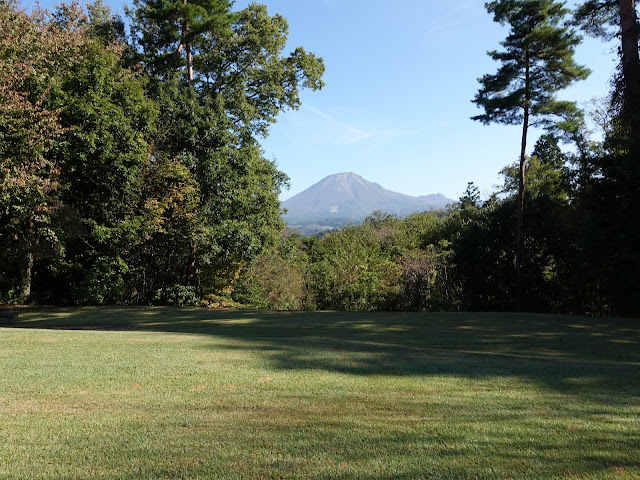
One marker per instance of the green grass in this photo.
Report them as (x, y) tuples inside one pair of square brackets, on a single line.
[(196, 394)]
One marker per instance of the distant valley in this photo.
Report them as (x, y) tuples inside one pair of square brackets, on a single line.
[(345, 198)]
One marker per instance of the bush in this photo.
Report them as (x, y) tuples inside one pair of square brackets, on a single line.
[(278, 279), (180, 295), (354, 273)]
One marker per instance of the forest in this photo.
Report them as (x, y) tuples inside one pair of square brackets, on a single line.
[(132, 171)]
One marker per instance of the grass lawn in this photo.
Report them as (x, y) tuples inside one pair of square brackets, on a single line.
[(194, 394)]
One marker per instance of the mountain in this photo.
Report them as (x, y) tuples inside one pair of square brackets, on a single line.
[(349, 197)]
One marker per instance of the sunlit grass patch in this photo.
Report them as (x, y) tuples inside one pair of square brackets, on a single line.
[(190, 393)]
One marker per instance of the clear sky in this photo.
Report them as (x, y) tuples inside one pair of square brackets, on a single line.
[(399, 82)]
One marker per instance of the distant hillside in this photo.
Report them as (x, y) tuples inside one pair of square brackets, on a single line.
[(344, 197)]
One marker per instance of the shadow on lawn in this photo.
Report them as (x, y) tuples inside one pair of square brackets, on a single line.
[(570, 353)]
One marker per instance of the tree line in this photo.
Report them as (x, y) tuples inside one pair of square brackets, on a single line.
[(131, 165), (132, 171)]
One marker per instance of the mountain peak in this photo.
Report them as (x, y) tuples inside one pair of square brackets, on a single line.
[(347, 195), (347, 181), (347, 176)]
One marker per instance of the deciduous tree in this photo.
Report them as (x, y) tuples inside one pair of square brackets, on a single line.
[(33, 50), (241, 82)]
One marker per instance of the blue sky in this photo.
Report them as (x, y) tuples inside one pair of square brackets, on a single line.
[(399, 82)]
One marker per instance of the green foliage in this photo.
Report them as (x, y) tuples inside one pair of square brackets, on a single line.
[(120, 186), (610, 197), (482, 240), (546, 173), (550, 235), (102, 283), (163, 29), (107, 115), (105, 25), (597, 17), (134, 173), (537, 61), (102, 156), (246, 73), (179, 295), (31, 55), (427, 280), (354, 272), (241, 82), (278, 279), (163, 232)]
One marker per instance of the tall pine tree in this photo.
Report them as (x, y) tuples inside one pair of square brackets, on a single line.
[(170, 32), (536, 62)]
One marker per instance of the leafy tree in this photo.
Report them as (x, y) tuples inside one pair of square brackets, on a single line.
[(238, 208), (548, 151), (89, 162), (32, 53), (108, 119), (549, 233), (610, 198), (247, 74), (427, 281), (163, 231), (537, 61), (470, 199), (479, 236), (110, 194), (241, 82), (105, 25)]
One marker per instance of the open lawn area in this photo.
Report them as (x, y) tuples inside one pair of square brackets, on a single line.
[(151, 393)]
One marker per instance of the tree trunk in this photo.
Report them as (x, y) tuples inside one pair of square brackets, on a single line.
[(521, 184), (520, 224), (185, 29), (189, 65), (25, 287), (192, 267), (631, 67), (630, 57)]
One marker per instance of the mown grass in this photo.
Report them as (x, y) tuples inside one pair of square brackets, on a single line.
[(194, 394)]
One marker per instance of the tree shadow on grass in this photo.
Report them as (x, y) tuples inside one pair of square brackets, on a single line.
[(573, 354), (593, 360)]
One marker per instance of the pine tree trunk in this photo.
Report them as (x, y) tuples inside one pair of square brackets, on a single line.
[(520, 215), (185, 29), (630, 57), (521, 185), (189, 65), (631, 67)]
